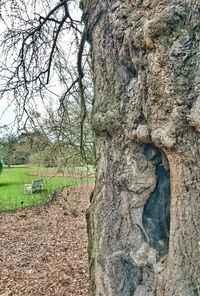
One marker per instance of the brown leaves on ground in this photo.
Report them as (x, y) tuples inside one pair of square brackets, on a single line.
[(44, 249)]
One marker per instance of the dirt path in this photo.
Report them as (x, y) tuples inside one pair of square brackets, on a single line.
[(43, 250)]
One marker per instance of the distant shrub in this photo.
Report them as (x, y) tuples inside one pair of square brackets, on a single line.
[(1, 164)]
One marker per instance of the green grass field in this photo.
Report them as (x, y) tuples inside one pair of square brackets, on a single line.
[(12, 182)]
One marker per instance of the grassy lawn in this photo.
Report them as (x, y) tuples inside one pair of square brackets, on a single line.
[(12, 182)]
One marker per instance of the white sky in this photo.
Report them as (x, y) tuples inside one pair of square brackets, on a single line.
[(7, 114)]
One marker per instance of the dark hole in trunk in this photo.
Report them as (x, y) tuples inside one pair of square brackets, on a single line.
[(156, 216)]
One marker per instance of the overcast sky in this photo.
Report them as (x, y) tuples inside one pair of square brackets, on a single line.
[(7, 114)]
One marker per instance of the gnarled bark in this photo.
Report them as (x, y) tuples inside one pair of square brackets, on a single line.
[(147, 75)]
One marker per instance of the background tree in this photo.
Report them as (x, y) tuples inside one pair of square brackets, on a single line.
[(37, 146), (17, 149), (1, 164), (42, 44), (8, 148)]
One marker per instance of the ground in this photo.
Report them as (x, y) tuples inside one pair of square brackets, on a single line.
[(44, 248)]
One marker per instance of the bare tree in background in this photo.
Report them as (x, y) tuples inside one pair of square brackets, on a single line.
[(42, 47)]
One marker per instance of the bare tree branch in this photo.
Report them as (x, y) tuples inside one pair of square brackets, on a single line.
[(39, 44)]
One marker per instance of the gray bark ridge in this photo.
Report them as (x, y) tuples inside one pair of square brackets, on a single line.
[(147, 92)]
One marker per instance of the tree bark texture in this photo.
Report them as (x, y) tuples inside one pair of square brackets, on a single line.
[(146, 59)]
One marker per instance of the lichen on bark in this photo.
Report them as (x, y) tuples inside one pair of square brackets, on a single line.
[(146, 76)]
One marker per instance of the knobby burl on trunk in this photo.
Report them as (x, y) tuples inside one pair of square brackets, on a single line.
[(146, 116)]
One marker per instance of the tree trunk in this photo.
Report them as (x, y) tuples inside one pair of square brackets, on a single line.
[(143, 222)]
